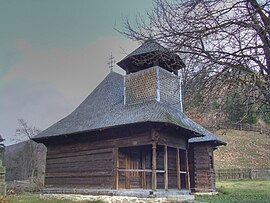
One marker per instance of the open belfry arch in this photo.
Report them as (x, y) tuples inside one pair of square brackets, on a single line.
[(131, 133)]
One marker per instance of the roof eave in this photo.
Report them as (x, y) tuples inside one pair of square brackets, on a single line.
[(39, 139), (214, 142)]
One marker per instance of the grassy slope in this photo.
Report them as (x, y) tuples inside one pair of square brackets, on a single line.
[(244, 149)]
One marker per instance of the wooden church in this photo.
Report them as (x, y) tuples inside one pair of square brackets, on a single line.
[(130, 135)]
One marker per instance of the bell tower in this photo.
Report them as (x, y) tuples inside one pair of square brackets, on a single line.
[(152, 74)]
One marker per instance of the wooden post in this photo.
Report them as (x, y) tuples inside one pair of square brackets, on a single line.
[(165, 167), (143, 173), (154, 166), (187, 170), (178, 178), (116, 167), (127, 174)]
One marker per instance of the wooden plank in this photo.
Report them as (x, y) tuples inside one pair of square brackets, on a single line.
[(178, 178), (135, 170), (116, 167), (90, 165), (78, 153), (187, 169), (136, 139), (143, 174), (96, 182), (154, 166), (165, 167), (78, 174), (140, 170), (184, 172), (171, 138), (172, 175), (82, 158), (127, 174)]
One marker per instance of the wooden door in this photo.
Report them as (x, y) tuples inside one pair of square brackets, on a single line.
[(134, 162)]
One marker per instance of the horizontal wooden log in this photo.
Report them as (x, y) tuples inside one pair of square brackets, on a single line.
[(172, 138), (203, 183), (134, 140), (79, 174), (78, 167), (203, 159), (78, 153), (140, 170), (78, 180), (85, 158)]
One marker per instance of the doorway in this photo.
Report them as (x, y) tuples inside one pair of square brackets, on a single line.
[(135, 167)]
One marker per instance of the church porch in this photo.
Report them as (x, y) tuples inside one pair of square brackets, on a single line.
[(153, 167)]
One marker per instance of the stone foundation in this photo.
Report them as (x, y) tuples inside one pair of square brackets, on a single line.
[(140, 193), (119, 199)]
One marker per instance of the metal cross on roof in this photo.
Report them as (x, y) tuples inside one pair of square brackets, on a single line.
[(111, 62)]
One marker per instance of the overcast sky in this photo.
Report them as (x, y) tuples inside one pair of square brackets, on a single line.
[(53, 53)]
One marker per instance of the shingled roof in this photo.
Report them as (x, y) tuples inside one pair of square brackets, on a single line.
[(151, 53), (147, 47), (104, 108)]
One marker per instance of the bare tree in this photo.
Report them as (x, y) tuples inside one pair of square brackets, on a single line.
[(225, 43), (26, 132), (2, 148), (1, 142)]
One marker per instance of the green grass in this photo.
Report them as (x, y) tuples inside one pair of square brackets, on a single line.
[(245, 191), (33, 198)]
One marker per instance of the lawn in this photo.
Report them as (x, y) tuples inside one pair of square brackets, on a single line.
[(34, 198), (244, 191)]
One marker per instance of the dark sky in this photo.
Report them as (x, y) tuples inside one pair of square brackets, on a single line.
[(53, 53)]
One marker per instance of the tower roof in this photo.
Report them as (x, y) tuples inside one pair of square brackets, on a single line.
[(147, 47), (151, 53)]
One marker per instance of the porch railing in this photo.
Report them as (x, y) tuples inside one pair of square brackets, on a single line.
[(144, 170)]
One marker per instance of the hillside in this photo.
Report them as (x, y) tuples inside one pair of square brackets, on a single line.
[(18, 160), (245, 149)]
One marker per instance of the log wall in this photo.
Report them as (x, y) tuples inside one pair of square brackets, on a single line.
[(90, 161), (172, 138), (202, 176), (89, 168), (87, 163)]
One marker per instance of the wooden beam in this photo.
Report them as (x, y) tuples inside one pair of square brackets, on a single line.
[(165, 167), (127, 173), (116, 167), (143, 173), (178, 178), (154, 166), (142, 170), (187, 170)]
